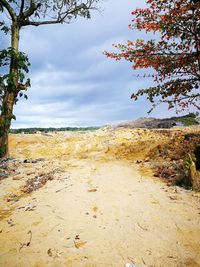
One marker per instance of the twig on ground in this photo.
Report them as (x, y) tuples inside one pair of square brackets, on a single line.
[(61, 189), (28, 243), (142, 227)]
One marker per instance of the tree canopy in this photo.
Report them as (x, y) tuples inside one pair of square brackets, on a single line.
[(173, 57)]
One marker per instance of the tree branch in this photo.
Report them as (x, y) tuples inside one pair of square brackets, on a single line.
[(60, 17), (22, 7), (38, 23), (10, 10), (33, 7)]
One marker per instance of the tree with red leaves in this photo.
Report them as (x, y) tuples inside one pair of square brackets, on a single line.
[(174, 57)]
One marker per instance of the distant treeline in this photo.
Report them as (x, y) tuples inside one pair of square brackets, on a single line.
[(51, 129)]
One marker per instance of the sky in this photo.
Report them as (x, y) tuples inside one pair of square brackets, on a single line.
[(72, 82)]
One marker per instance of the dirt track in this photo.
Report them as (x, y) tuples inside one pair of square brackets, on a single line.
[(99, 210)]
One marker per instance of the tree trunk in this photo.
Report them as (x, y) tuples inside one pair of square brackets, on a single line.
[(9, 97)]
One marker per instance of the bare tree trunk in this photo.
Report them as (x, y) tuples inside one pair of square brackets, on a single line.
[(9, 97)]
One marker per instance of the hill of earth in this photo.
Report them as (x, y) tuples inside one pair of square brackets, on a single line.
[(108, 197), (154, 123)]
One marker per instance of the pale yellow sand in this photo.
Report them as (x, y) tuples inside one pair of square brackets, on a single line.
[(98, 211)]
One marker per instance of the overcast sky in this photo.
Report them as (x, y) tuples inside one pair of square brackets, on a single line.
[(73, 83)]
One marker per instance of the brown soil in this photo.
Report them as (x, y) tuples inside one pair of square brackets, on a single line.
[(94, 201)]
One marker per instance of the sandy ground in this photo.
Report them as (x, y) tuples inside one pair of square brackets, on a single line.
[(98, 211)]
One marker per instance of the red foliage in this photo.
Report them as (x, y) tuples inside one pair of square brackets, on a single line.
[(175, 57)]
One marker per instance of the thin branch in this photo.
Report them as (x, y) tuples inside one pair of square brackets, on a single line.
[(10, 10), (22, 7)]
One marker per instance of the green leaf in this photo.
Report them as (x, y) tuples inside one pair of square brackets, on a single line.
[(13, 117), (21, 77)]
